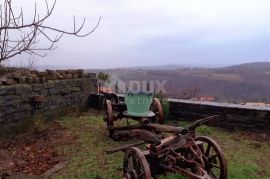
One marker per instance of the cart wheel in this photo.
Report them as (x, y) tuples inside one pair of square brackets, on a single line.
[(157, 109), (114, 98), (215, 163), (109, 117), (135, 165)]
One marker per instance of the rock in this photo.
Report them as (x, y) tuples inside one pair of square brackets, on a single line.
[(25, 73), (42, 74), (62, 72), (3, 79), (8, 75), (55, 169), (81, 75), (10, 81), (23, 89), (22, 79), (29, 79), (68, 76), (7, 90), (16, 74), (58, 75), (33, 75), (75, 75), (42, 79), (36, 80), (51, 77), (50, 72)]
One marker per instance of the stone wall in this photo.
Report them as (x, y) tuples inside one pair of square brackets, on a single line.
[(43, 93), (233, 116)]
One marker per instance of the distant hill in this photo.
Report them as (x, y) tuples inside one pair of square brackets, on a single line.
[(256, 67), (237, 83)]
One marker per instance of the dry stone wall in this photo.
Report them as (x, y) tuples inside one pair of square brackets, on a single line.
[(26, 93), (233, 116)]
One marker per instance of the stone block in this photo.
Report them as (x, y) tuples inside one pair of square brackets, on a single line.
[(16, 74), (37, 87), (23, 89), (49, 85), (43, 80), (10, 81), (36, 80), (54, 91), (58, 75), (7, 90), (22, 79), (29, 79)]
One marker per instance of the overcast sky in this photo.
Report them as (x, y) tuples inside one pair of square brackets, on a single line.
[(160, 32)]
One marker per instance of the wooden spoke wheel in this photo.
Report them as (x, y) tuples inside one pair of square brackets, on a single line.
[(135, 165), (109, 117), (215, 163), (156, 107)]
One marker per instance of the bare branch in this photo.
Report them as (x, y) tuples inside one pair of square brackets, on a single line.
[(17, 37)]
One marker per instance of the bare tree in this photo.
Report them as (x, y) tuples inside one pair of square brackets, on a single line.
[(18, 36)]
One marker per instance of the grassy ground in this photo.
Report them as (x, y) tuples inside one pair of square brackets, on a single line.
[(247, 159)]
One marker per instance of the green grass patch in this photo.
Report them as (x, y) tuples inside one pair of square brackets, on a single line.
[(205, 130), (247, 159)]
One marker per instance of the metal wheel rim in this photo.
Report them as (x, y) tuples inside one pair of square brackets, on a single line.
[(219, 155), (136, 153), (157, 109)]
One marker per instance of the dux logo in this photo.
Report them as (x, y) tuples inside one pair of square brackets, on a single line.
[(121, 86)]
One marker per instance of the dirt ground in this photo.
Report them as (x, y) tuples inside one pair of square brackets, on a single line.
[(43, 153), (34, 154)]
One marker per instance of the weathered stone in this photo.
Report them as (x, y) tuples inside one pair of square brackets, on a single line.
[(42, 74), (7, 90), (37, 87), (232, 116), (23, 89), (42, 79), (33, 75), (75, 89), (58, 75), (36, 80), (61, 71), (29, 79), (80, 71), (22, 79), (50, 72), (61, 84), (54, 91), (16, 74), (75, 75), (26, 73), (49, 85), (10, 81), (65, 91), (16, 102), (68, 76), (44, 92), (3, 79), (51, 77), (81, 75)]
